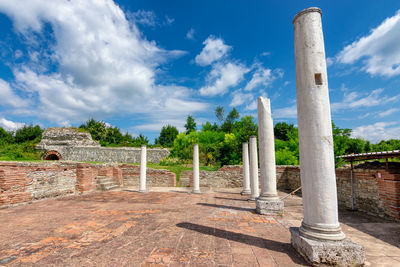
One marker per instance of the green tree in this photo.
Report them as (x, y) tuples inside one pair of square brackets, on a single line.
[(140, 140), (167, 136), (190, 125), (6, 136), (244, 128), (98, 129), (230, 119), (209, 127), (219, 113), (282, 130), (28, 133)]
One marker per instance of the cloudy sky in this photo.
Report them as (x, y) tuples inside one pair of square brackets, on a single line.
[(143, 64)]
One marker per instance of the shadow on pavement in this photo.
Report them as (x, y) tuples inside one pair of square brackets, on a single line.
[(227, 207), (246, 239)]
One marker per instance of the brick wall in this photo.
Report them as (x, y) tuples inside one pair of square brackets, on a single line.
[(22, 182)]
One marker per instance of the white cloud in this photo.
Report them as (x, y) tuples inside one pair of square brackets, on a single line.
[(222, 77), (262, 77), (285, 113), (213, 50), (147, 18), (264, 54), (380, 49), (355, 100), (378, 131), (104, 65), (252, 105), (240, 98), (10, 125), (388, 112), (190, 34), (8, 96)]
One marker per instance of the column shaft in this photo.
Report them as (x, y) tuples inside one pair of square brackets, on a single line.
[(143, 163), (266, 150), (253, 169), (317, 167), (246, 169), (196, 170)]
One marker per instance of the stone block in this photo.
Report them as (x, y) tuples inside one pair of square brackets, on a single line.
[(338, 253), (268, 207)]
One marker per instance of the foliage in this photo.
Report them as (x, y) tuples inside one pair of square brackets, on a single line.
[(190, 125), (282, 130), (167, 136), (21, 144), (111, 136), (219, 113), (28, 133)]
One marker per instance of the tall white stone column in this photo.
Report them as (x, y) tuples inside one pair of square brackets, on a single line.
[(143, 163), (246, 169), (253, 169), (320, 235), (268, 201), (196, 169)]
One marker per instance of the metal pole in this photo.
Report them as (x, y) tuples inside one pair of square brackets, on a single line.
[(352, 185)]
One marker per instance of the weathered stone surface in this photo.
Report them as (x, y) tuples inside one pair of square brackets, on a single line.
[(269, 207), (65, 137), (317, 162), (338, 253), (73, 145)]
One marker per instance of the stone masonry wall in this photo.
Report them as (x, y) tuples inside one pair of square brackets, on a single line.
[(154, 177), (108, 154), (23, 182)]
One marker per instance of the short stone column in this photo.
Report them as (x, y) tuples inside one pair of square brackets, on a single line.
[(268, 202), (253, 169), (196, 169), (320, 238), (143, 163), (246, 169)]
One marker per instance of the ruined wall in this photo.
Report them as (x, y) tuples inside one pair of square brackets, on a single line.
[(109, 154), (376, 191), (231, 176), (23, 182), (74, 145), (154, 177)]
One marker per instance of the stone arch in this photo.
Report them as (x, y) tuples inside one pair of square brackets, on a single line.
[(52, 155)]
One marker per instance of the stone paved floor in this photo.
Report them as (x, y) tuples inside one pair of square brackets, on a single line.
[(126, 228)]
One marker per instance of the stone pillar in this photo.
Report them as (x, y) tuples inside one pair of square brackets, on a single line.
[(253, 169), (246, 170), (142, 180), (320, 237), (196, 170), (268, 202)]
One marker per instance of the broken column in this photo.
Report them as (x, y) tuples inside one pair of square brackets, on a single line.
[(253, 169), (246, 170), (320, 238), (196, 170), (268, 202), (143, 162)]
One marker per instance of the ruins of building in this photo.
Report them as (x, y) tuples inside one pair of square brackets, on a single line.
[(74, 145)]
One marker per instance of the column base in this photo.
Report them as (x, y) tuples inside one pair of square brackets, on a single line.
[(142, 191), (197, 191), (245, 192), (269, 207), (342, 253), (252, 198)]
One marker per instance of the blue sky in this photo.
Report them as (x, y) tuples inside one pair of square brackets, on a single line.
[(140, 65)]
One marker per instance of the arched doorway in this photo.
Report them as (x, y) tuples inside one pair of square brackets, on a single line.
[(52, 155)]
